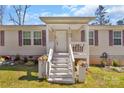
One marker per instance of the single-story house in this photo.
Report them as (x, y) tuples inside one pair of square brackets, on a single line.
[(64, 39)]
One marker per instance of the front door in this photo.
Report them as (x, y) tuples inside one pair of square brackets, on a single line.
[(61, 41)]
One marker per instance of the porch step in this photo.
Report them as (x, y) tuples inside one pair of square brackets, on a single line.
[(60, 70), (61, 80), (61, 54), (60, 62), (58, 59), (60, 75), (59, 65)]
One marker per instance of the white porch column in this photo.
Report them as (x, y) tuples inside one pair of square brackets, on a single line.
[(87, 41), (69, 34), (47, 39)]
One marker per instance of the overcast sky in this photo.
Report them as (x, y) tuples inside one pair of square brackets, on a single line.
[(34, 12)]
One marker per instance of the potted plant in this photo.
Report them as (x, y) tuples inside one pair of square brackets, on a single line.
[(42, 66), (81, 70)]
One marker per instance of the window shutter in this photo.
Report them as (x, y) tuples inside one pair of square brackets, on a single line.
[(96, 37), (110, 37), (123, 37), (44, 37), (82, 35), (20, 37), (2, 38)]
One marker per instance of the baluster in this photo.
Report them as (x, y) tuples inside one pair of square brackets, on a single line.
[(73, 47), (82, 49), (78, 48)]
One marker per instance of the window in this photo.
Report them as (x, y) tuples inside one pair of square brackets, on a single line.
[(26, 38), (117, 37), (91, 38), (37, 38)]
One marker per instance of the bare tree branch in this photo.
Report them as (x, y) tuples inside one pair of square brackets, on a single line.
[(12, 19), (20, 12), (25, 10)]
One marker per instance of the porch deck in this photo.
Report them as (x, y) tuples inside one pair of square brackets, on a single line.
[(80, 49)]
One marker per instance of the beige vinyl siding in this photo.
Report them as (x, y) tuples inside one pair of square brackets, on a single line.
[(11, 42), (103, 38), (12, 48), (76, 35)]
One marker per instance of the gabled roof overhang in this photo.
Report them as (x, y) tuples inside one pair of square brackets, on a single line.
[(66, 20)]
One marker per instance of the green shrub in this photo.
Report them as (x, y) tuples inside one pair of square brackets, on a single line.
[(35, 61), (25, 60), (115, 63), (103, 63), (17, 58)]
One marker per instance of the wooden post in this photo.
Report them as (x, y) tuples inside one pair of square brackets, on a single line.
[(47, 39), (69, 35), (81, 73), (41, 69), (87, 42)]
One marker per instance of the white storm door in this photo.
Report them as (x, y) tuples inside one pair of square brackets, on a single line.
[(61, 41)]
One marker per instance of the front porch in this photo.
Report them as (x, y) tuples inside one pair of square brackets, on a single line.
[(60, 36), (67, 39)]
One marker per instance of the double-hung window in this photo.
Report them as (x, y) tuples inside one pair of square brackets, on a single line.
[(117, 37), (26, 38), (37, 38), (91, 38)]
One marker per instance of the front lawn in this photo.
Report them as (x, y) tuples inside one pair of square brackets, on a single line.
[(16, 76)]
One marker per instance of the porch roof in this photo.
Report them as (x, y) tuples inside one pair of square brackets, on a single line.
[(66, 20)]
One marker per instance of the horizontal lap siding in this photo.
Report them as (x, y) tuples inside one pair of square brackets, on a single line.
[(106, 45), (12, 45)]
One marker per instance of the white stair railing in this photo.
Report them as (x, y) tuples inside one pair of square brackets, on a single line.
[(78, 46), (72, 60), (50, 56)]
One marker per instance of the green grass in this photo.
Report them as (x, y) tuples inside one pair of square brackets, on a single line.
[(16, 76)]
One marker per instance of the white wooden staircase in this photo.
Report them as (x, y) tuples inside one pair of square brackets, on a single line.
[(61, 68)]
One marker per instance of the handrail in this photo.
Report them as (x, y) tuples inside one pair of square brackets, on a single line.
[(78, 42), (50, 56), (72, 60), (78, 47), (71, 53)]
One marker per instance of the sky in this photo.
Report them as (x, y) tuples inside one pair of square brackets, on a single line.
[(115, 12)]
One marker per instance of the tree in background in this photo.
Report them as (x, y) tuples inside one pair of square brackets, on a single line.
[(2, 11), (101, 16), (120, 22), (20, 11)]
